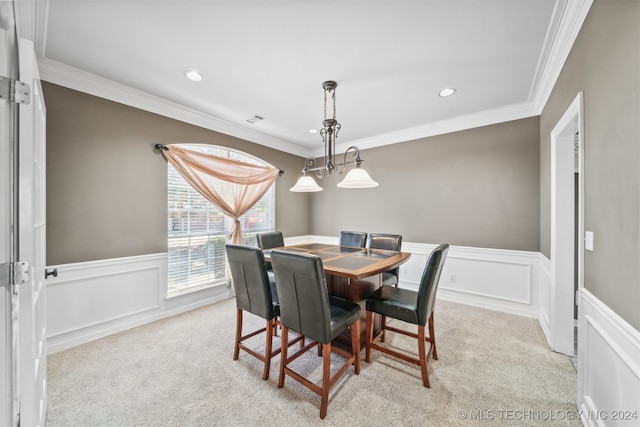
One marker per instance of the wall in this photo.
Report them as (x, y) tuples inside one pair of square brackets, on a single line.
[(605, 64), (478, 187), (106, 185)]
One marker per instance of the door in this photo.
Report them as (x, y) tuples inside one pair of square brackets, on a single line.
[(8, 300), (22, 233), (32, 357)]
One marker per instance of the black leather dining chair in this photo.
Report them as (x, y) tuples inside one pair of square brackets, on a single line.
[(411, 307), (354, 239), (254, 294), (389, 242), (306, 307), (270, 240)]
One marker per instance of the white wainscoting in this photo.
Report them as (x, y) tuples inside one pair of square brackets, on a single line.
[(496, 279), (90, 300), (608, 366), (545, 296)]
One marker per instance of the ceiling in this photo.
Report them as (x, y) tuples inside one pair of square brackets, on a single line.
[(270, 58)]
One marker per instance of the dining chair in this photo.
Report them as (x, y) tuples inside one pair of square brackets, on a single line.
[(411, 307), (270, 240), (389, 242), (355, 239), (306, 307), (257, 295)]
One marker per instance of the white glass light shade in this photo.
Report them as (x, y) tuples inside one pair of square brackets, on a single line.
[(357, 178), (306, 184)]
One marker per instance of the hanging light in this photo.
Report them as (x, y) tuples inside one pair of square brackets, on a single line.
[(357, 177), (306, 184)]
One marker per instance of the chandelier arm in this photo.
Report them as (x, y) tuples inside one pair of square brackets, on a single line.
[(355, 152)]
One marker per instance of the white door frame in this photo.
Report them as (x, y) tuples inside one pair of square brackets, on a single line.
[(561, 318)]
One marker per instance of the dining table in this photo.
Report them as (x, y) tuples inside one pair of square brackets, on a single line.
[(352, 273)]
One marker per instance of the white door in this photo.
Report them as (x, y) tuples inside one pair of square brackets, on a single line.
[(22, 234), (8, 67), (32, 357)]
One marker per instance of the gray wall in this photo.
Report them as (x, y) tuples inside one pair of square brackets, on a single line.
[(605, 64), (106, 185), (477, 187)]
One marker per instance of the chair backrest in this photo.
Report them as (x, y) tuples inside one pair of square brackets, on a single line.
[(302, 290), (273, 239), (429, 282), (250, 281), (355, 239), (389, 242)]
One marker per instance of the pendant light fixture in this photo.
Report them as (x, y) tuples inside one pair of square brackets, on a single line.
[(357, 177)]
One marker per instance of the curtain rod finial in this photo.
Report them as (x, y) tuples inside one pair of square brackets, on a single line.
[(161, 147), (281, 172)]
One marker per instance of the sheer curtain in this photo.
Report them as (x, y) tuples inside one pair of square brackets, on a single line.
[(233, 186)]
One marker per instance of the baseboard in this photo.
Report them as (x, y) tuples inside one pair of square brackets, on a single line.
[(608, 366)]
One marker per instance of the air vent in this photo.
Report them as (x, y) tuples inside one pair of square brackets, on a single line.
[(255, 119)]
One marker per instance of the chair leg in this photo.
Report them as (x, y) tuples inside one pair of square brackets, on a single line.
[(268, 347), (326, 378), (236, 348), (383, 326), (283, 355), (355, 345), (423, 357), (368, 336), (432, 337)]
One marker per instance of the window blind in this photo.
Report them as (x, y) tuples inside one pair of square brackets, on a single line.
[(197, 230)]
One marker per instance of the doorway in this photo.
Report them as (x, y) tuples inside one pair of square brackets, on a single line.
[(567, 226)]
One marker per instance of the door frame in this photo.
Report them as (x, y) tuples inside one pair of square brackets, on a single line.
[(563, 298)]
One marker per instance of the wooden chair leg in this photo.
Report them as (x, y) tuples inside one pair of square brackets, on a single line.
[(383, 326), (355, 345), (236, 348), (423, 356), (270, 327), (283, 355), (432, 337), (326, 379), (369, 336)]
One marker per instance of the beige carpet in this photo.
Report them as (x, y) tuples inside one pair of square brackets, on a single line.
[(493, 368)]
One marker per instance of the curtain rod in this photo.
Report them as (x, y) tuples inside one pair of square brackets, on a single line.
[(164, 147)]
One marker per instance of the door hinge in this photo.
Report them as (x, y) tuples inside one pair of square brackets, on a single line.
[(14, 90), (14, 273)]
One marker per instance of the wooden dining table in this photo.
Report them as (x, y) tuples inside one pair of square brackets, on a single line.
[(352, 273)]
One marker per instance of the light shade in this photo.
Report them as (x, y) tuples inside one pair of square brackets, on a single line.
[(357, 178), (306, 184)]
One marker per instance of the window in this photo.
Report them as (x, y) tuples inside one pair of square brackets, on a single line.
[(197, 230)]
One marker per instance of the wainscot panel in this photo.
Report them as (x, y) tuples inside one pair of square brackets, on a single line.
[(90, 300), (545, 296), (496, 279), (608, 366)]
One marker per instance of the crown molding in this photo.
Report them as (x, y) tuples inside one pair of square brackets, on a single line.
[(564, 27), (455, 124), (73, 78)]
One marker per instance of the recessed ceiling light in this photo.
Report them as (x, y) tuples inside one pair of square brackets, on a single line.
[(447, 92), (193, 75), (313, 130)]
